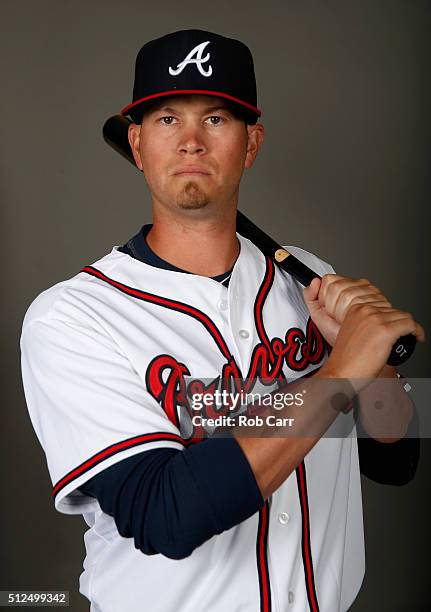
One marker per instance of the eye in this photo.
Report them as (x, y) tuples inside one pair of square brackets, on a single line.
[(162, 119), (216, 117)]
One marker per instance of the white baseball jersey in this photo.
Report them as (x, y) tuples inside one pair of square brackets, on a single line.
[(104, 356)]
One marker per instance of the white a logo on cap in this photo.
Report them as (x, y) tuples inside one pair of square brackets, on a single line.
[(198, 60)]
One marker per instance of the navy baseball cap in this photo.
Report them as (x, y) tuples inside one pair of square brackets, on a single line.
[(195, 62)]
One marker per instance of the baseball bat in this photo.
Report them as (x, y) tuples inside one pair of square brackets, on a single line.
[(115, 134)]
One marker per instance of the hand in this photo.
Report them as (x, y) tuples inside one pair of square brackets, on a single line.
[(329, 298), (365, 339)]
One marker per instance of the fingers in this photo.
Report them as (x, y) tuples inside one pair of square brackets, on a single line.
[(310, 295), (337, 294), (349, 297), (388, 320), (312, 290), (370, 297), (340, 294), (333, 284), (405, 326)]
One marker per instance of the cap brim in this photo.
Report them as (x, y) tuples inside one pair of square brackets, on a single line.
[(251, 111)]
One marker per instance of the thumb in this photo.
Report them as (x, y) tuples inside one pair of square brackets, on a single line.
[(311, 292)]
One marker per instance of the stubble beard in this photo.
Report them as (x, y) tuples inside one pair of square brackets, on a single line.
[(192, 197)]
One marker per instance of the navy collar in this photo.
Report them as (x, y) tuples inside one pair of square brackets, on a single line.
[(138, 248)]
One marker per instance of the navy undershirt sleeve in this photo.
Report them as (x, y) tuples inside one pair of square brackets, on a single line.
[(171, 501), (393, 463)]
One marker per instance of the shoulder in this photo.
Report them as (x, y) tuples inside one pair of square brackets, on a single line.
[(60, 301), (310, 259)]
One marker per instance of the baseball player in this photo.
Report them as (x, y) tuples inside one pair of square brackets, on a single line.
[(179, 520)]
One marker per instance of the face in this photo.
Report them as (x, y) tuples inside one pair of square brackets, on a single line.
[(193, 151)]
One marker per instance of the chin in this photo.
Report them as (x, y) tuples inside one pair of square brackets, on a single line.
[(192, 197)]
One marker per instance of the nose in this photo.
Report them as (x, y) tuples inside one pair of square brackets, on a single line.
[(192, 139)]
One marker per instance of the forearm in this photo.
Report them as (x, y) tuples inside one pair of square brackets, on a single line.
[(275, 451)]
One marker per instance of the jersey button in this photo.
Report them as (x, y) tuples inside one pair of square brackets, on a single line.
[(291, 597), (243, 333), (283, 518), (222, 304)]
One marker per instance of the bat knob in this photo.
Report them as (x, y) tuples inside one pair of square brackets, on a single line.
[(402, 350)]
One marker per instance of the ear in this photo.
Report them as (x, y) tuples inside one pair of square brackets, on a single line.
[(256, 135), (133, 134)]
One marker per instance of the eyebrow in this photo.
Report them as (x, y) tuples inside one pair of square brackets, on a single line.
[(169, 109)]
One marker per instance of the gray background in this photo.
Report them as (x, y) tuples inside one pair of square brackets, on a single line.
[(344, 88)]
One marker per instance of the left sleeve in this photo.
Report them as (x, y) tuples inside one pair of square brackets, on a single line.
[(88, 405), (386, 463)]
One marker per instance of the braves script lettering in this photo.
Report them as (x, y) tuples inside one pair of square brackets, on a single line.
[(165, 376)]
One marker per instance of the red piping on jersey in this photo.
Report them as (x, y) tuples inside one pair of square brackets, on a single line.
[(306, 546), (112, 450), (260, 298), (262, 559), (167, 303), (258, 306)]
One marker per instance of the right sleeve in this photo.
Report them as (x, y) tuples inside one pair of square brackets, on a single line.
[(172, 501), (88, 405), (393, 463)]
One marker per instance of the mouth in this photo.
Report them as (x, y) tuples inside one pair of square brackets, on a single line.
[(190, 173), (192, 170)]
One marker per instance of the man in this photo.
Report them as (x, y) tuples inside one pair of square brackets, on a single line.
[(180, 520)]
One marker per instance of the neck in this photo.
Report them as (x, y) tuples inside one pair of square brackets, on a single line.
[(206, 246)]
